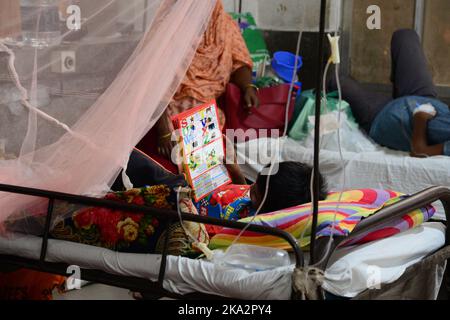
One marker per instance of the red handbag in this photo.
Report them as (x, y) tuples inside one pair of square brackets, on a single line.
[(270, 114)]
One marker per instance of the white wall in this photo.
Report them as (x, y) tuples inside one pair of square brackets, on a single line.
[(288, 15)]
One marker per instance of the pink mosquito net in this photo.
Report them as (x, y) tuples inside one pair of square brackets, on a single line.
[(74, 103)]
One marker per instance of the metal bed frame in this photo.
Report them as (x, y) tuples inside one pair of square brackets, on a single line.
[(155, 289), (151, 289), (166, 217)]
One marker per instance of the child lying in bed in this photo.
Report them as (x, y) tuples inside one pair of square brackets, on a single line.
[(289, 186), (155, 187)]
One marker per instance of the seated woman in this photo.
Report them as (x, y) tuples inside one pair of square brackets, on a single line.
[(413, 120), (221, 57)]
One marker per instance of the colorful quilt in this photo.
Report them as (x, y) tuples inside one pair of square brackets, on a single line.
[(352, 208)]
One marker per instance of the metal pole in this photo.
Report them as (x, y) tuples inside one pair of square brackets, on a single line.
[(316, 186), (48, 220), (144, 22), (240, 11), (419, 16)]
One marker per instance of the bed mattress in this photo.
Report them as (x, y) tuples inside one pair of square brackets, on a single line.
[(346, 276)]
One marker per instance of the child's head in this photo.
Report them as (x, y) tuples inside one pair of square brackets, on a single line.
[(288, 187)]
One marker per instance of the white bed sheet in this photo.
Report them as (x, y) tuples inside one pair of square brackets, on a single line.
[(367, 166), (350, 272), (183, 275), (186, 275)]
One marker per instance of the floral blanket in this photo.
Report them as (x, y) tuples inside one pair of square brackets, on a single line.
[(126, 231)]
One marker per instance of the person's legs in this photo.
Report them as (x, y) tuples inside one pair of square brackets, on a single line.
[(410, 73), (411, 77), (365, 104)]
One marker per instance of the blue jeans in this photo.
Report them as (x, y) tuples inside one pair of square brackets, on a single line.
[(393, 126)]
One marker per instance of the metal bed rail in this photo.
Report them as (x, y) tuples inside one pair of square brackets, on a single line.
[(386, 215), (399, 209)]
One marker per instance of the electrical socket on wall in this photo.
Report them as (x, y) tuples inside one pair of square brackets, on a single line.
[(64, 61)]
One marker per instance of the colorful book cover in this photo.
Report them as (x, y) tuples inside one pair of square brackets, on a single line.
[(202, 149)]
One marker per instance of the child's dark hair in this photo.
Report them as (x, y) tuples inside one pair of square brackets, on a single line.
[(288, 187)]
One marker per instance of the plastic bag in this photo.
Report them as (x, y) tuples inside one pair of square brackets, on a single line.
[(305, 108), (351, 137)]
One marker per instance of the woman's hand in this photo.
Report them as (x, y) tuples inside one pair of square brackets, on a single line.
[(251, 98), (165, 143), (243, 79)]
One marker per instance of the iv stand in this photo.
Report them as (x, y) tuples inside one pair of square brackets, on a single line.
[(316, 186), (240, 11)]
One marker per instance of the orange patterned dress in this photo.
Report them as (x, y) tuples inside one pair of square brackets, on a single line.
[(222, 51)]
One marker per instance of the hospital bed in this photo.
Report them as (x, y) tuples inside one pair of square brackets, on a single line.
[(366, 165), (418, 276)]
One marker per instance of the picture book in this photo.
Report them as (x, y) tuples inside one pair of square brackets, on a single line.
[(202, 147)]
